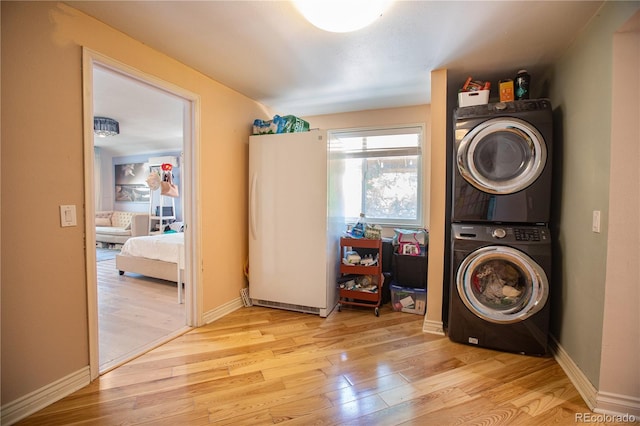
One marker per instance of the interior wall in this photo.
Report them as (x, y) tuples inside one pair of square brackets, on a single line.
[(434, 180), (107, 195), (107, 182), (385, 117), (581, 88), (620, 366), (370, 118), (438, 247), (44, 299)]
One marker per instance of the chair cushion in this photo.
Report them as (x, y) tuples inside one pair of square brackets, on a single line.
[(121, 219), (112, 230)]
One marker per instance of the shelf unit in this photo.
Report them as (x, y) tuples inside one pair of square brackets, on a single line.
[(157, 218), (357, 297)]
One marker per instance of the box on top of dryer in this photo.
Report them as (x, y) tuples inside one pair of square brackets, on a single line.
[(478, 97)]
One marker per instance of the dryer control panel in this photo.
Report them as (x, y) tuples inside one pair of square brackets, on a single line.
[(502, 108)]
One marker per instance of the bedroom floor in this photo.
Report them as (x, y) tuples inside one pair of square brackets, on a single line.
[(135, 312)]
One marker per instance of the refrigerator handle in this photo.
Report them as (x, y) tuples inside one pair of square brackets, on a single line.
[(252, 205)]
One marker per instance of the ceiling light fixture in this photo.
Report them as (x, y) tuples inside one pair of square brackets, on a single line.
[(341, 16), (103, 127)]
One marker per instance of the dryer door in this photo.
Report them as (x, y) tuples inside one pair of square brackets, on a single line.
[(502, 284), (502, 155)]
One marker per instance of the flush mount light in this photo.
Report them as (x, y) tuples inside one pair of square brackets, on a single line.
[(104, 126), (341, 16)]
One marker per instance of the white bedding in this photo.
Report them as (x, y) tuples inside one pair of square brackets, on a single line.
[(165, 247)]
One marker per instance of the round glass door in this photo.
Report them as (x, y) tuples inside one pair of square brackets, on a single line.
[(501, 284), (502, 155)]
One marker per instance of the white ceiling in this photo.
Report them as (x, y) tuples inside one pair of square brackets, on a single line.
[(150, 119), (268, 52)]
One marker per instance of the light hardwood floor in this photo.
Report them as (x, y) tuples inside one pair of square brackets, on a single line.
[(264, 366), (135, 313)]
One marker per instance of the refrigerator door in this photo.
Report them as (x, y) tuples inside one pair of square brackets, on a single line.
[(288, 221)]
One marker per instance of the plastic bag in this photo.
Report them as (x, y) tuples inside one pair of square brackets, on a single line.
[(416, 236), (167, 187), (153, 180), (410, 241)]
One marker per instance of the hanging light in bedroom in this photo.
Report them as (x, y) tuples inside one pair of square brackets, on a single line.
[(104, 126), (341, 16)]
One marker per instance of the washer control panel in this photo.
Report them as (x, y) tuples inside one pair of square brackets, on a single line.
[(503, 233)]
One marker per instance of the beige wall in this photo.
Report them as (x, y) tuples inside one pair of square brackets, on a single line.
[(377, 117), (434, 179), (44, 297), (438, 200), (419, 114), (620, 364), (581, 93)]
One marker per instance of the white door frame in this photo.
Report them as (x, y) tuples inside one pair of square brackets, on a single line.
[(191, 212)]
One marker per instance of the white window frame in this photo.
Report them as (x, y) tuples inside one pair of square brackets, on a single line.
[(418, 129)]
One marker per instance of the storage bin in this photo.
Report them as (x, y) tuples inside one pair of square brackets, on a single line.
[(479, 97), (411, 300), (387, 255), (410, 271)]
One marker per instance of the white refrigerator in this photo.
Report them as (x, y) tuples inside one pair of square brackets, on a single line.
[(294, 228)]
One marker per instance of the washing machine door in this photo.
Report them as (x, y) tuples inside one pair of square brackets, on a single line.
[(502, 155), (502, 284)]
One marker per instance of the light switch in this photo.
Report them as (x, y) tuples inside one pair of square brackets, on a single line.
[(68, 215), (595, 225)]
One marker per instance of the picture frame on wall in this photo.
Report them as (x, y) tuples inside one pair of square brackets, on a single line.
[(130, 183), (132, 193)]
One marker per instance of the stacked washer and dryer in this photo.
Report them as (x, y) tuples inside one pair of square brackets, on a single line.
[(500, 239)]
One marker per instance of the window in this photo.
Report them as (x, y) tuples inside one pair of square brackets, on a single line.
[(380, 173)]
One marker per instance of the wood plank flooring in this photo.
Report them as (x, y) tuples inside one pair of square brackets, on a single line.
[(135, 313), (260, 366)]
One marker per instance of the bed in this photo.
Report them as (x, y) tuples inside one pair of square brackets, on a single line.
[(158, 256)]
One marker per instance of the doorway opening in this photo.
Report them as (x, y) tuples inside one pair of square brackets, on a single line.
[(131, 309)]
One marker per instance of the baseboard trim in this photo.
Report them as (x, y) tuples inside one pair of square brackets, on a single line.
[(599, 402), (222, 310), (586, 390), (24, 406), (45, 396), (616, 404), (433, 327)]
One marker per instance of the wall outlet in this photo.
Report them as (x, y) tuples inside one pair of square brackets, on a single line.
[(595, 225)]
